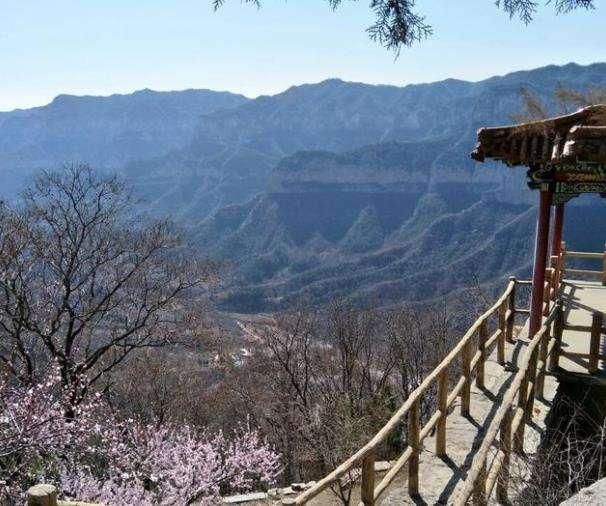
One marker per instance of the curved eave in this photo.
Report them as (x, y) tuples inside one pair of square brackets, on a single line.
[(563, 139)]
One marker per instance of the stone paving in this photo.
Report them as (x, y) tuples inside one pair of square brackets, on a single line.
[(581, 300), (439, 478)]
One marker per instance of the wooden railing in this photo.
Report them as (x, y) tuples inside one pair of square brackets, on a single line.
[(471, 353), (515, 410), (586, 256), (553, 279), (595, 330)]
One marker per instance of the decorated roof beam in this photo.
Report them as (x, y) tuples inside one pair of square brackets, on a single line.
[(567, 152)]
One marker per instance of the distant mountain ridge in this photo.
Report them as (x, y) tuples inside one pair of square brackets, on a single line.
[(233, 152), (106, 132), (333, 189)]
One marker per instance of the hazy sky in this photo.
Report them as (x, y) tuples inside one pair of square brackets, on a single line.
[(118, 46)]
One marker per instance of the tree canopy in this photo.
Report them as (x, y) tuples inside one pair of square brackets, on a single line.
[(398, 23)]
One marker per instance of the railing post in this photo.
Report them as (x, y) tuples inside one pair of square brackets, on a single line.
[(368, 480), (42, 495), (594, 346), (558, 329), (503, 329), (562, 261), (547, 291), (466, 372), (479, 487), (532, 381), (413, 442), (543, 347), (505, 447), (442, 401), (482, 337), (512, 309), (518, 443)]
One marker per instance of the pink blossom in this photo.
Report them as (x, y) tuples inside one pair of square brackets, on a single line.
[(100, 457)]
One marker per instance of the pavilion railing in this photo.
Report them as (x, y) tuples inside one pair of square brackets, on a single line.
[(586, 256), (553, 279), (596, 329), (470, 353)]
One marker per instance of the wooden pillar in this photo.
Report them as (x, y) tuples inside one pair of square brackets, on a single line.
[(466, 373), (442, 403), (479, 488), (482, 337), (540, 260), (413, 442), (503, 330), (42, 495), (368, 480), (594, 346), (505, 447), (511, 305), (558, 227), (558, 329)]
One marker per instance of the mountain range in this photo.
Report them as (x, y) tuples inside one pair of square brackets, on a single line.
[(334, 189)]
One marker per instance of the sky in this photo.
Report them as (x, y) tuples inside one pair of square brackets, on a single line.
[(100, 47)]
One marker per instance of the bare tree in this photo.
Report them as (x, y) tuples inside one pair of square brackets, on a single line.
[(566, 99), (572, 454), (83, 283), (398, 23), (325, 381)]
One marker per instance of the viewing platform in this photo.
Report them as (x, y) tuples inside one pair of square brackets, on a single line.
[(584, 305)]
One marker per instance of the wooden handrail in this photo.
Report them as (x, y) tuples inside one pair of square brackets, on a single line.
[(587, 256), (583, 254), (410, 408), (523, 387)]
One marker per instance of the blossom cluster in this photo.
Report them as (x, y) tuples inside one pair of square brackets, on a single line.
[(99, 456)]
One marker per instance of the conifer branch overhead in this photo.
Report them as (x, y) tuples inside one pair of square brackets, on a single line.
[(398, 24)]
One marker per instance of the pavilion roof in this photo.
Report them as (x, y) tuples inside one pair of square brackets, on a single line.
[(576, 137)]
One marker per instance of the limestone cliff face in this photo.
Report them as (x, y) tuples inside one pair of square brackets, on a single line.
[(233, 153), (332, 189)]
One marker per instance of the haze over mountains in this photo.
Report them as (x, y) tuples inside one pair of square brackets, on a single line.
[(329, 189)]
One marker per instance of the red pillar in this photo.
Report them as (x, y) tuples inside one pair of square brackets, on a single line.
[(540, 260), (558, 225)]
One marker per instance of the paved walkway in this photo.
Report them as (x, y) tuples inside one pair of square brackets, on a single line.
[(581, 300), (439, 478)]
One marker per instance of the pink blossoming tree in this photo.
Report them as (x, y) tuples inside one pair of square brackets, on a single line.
[(96, 456)]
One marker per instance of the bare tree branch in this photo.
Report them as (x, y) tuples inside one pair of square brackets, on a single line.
[(83, 283)]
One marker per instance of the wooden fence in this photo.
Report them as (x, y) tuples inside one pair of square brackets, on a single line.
[(470, 353), (596, 329), (586, 256), (515, 410)]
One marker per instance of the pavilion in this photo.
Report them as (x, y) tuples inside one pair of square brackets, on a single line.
[(565, 157)]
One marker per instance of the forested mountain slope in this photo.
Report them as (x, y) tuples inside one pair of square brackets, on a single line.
[(334, 189)]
